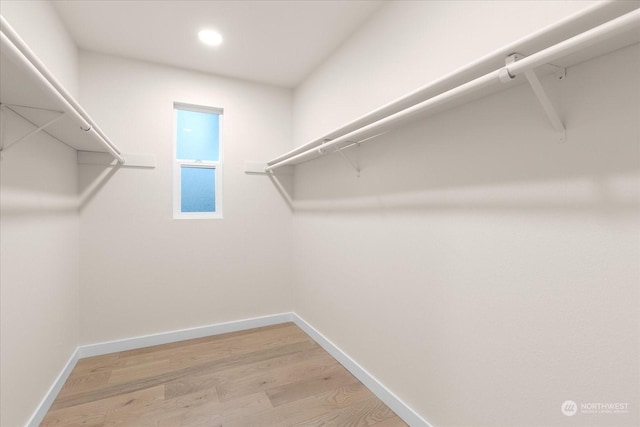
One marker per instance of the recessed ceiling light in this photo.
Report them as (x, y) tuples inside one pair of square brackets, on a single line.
[(210, 37)]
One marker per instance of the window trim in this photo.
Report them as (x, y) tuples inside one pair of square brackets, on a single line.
[(178, 164)]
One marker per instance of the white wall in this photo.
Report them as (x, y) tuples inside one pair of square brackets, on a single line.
[(39, 234), (142, 271), (39, 295), (38, 24), (481, 270)]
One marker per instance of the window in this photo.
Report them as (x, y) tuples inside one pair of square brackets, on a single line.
[(197, 176)]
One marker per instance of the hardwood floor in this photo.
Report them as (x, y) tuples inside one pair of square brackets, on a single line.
[(272, 376)]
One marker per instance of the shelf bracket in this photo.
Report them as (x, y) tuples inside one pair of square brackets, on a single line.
[(547, 105), (4, 147), (354, 165)]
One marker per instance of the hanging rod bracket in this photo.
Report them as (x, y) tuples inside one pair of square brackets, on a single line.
[(4, 147), (354, 165), (547, 105), (556, 70), (321, 149), (559, 72)]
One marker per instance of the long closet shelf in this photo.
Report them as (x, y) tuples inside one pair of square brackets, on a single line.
[(460, 87), (31, 91)]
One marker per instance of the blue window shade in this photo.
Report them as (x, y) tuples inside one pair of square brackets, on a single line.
[(198, 136), (198, 189)]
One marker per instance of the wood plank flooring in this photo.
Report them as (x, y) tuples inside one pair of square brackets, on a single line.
[(272, 376)]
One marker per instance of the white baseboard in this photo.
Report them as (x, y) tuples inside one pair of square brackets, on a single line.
[(384, 394), (407, 414), (99, 349), (53, 391)]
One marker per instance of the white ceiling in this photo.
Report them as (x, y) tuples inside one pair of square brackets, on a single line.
[(275, 42)]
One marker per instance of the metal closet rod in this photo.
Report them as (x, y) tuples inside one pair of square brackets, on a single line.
[(422, 93), (574, 44), (14, 43)]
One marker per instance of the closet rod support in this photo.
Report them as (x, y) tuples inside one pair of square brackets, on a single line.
[(354, 165), (549, 109), (545, 102), (4, 147), (559, 72), (321, 149)]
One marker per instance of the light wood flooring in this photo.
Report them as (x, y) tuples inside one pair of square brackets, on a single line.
[(272, 376)]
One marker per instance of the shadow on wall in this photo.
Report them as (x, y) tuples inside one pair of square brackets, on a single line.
[(39, 172), (498, 153), (26, 193), (94, 179)]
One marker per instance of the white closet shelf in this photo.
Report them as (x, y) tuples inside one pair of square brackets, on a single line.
[(605, 27), (29, 90)]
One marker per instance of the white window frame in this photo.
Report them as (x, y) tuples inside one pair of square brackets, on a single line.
[(178, 164)]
